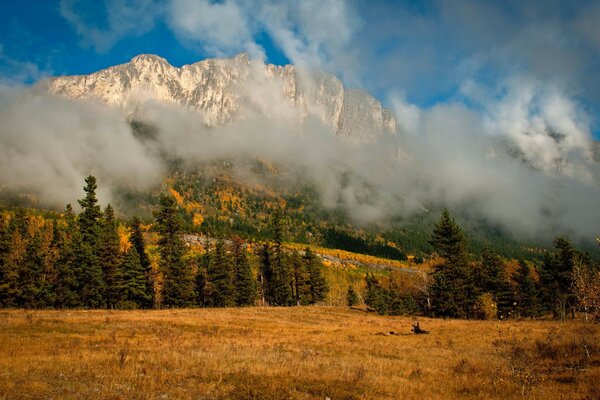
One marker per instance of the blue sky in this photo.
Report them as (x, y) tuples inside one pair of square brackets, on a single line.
[(413, 53)]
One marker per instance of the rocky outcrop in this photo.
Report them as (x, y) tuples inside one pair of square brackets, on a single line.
[(220, 89)]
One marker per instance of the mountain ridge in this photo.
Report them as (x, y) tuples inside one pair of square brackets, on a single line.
[(220, 89)]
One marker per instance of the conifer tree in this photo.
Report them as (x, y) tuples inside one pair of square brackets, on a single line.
[(526, 291), (91, 289), (110, 258), (453, 289), (318, 284), (221, 277), (281, 270), (351, 297), (68, 244), (245, 287), (265, 275), (376, 297), (30, 277), (178, 283), (137, 241), (132, 290), (9, 274), (556, 278)]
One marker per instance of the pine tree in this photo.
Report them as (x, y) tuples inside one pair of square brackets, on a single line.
[(245, 287), (91, 289), (318, 284), (30, 277), (137, 240), (265, 275), (68, 244), (300, 279), (351, 297), (178, 283), (281, 271), (132, 289), (526, 291), (110, 258), (453, 290), (556, 278), (9, 273), (221, 277), (376, 295)]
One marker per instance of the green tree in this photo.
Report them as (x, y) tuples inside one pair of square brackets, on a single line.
[(91, 289), (110, 257), (376, 297), (69, 242), (527, 302), (556, 278), (221, 277), (245, 286), (132, 289), (178, 283), (281, 271), (351, 297), (317, 282), (137, 241), (453, 290)]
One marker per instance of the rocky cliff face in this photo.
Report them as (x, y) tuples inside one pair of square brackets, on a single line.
[(221, 89)]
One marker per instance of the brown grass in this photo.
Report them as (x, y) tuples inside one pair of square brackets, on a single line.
[(294, 353)]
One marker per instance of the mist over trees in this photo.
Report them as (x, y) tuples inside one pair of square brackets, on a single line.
[(95, 260)]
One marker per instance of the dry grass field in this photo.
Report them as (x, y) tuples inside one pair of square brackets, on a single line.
[(290, 353)]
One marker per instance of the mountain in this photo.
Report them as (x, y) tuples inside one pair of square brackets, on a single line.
[(221, 89)]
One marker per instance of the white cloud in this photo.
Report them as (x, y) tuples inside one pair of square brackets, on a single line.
[(123, 18)]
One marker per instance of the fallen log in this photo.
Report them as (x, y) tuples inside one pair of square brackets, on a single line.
[(416, 328)]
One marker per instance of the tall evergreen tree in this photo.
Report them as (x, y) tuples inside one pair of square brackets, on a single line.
[(376, 297), (132, 285), (221, 277), (281, 270), (110, 258), (351, 297), (245, 285), (69, 243), (137, 240), (526, 291), (178, 282), (300, 279), (91, 289), (556, 278), (9, 274), (317, 282), (265, 275), (453, 290)]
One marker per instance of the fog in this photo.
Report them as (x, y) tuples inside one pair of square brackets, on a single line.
[(522, 160)]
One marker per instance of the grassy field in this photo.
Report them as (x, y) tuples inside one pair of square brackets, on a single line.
[(290, 353)]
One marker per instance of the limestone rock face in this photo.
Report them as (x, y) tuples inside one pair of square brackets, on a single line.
[(221, 89)]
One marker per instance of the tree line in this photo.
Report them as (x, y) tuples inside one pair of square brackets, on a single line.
[(80, 261), (458, 287)]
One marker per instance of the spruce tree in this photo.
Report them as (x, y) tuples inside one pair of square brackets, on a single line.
[(351, 297), (69, 243), (317, 283), (526, 291), (137, 241), (376, 295), (132, 289), (221, 277), (91, 289), (178, 282), (281, 270), (245, 286), (265, 275), (110, 258), (453, 290), (300, 279), (556, 278), (9, 273)]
